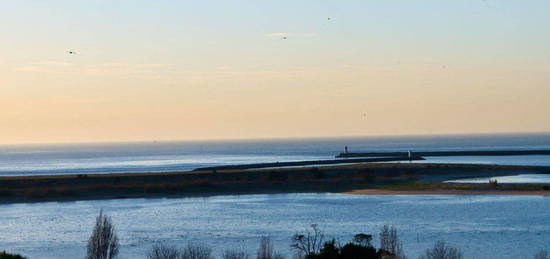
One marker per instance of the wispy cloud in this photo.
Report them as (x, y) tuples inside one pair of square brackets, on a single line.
[(44, 66), (146, 70), (53, 63), (32, 68), (128, 65), (290, 35)]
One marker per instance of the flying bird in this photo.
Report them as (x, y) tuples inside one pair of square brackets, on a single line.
[(71, 52)]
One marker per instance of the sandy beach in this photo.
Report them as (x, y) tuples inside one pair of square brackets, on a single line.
[(446, 192)]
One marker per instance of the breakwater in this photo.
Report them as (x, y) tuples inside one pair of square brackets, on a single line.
[(447, 153), (311, 162)]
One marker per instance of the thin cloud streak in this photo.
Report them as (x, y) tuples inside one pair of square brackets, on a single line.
[(290, 34), (92, 69)]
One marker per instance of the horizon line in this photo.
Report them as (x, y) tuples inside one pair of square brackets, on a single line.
[(272, 138)]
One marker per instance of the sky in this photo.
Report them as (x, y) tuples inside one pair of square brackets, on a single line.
[(189, 70)]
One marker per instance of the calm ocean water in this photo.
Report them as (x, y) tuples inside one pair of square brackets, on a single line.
[(483, 227), (175, 156)]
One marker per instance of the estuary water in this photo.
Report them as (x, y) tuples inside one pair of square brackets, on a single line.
[(177, 156), (481, 226), (519, 179)]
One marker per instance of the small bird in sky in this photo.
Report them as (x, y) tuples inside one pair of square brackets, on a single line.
[(284, 37), (71, 52), (328, 18)]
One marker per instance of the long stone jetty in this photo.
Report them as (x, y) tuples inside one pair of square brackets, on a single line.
[(447, 153), (311, 162)]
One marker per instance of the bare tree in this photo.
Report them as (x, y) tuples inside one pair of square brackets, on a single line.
[(390, 243), (309, 242), (542, 254), (363, 239), (197, 252), (442, 251), (164, 252), (235, 254), (103, 243), (265, 251)]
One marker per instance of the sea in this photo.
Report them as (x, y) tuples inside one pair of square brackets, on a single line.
[(159, 156), (481, 226)]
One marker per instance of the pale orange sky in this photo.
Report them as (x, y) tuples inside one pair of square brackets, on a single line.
[(205, 72)]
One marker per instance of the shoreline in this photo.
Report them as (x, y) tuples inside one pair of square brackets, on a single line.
[(356, 179), (447, 192)]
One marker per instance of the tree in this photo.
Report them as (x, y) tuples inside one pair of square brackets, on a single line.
[(164, 252), (235, 254), (357, 251), (4, 255), (265, 251), (329, 251), (350, 250), (362, 239), (309, 242), (390, 245), (442, 251), (197, 252), (542, 254), (103, 243)]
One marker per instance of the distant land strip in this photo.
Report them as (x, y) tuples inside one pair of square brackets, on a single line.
[(311, 162), (448, 153)]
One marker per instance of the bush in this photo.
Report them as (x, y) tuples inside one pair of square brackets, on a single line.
[(164, 252), (197, 252), (274, 176), (4, 255), (356, 251), (542, 254), (316, 173), (350, 250), (362, 239), (6, 193), (442, 251), (235, 254), (329, 251), (368, 177), (189, 252)]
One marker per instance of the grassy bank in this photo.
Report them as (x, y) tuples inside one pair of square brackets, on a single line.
[(342, 178)]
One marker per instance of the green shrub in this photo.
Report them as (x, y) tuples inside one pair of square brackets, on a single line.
[(356, 251), (4, 255), (316, 173), (349, 251), (5, 193)]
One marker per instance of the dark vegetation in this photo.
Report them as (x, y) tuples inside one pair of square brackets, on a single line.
[(402, 176), (442, 251), (103, 243), (542, 254), (4, 255)]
